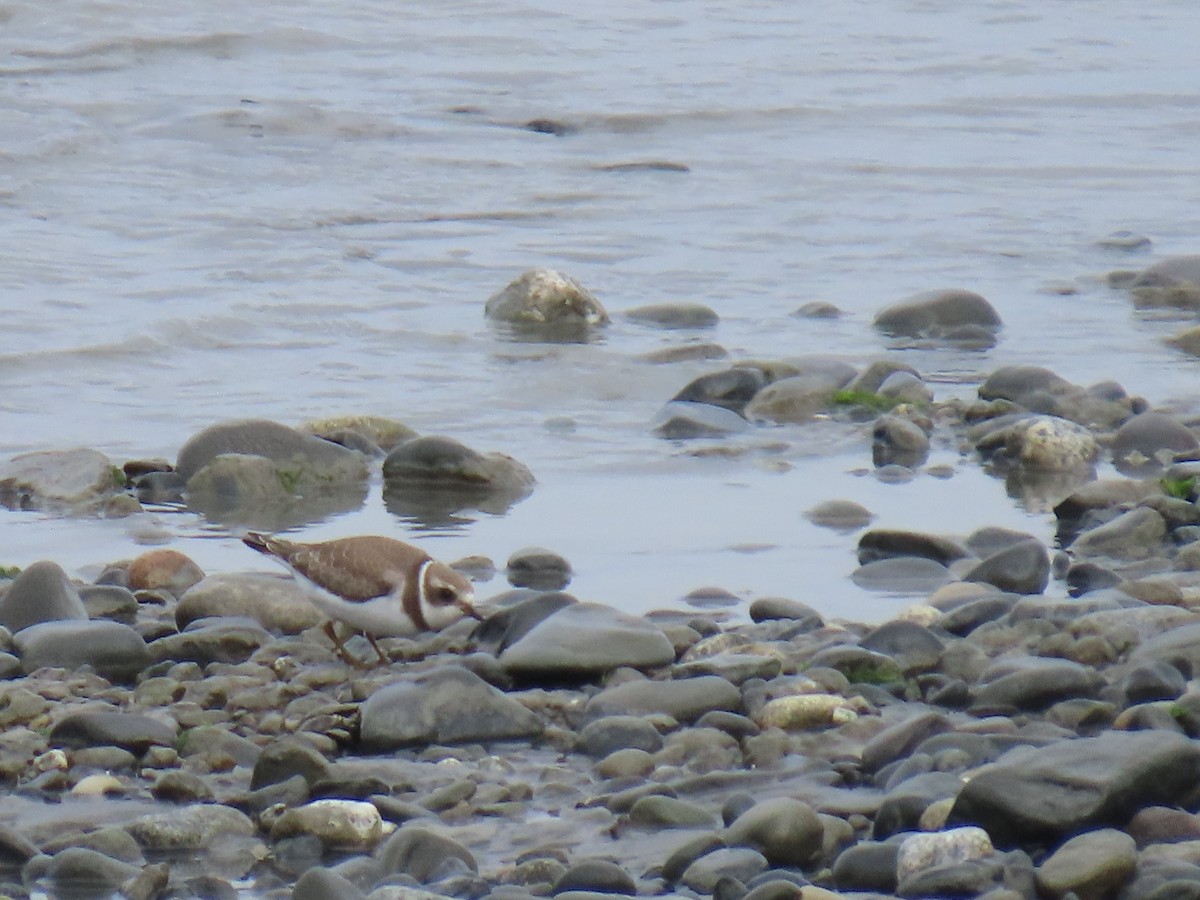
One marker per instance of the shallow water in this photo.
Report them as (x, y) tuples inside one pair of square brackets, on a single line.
[(291, 211)]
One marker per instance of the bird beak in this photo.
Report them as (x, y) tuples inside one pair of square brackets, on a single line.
[(471, 611)]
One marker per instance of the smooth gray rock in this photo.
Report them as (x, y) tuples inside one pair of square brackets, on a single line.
[(1174, 271), (100, 728), (899, 740), (890, 543), (60, 480), (1092, 866), (603, 736), (585, 639), (84, 870), (42, 592), (729, 389), (788, 832), (907, 574), (681, 420), (1033, 683), (913, 647), (421, 854), (740, 863), (1136, 534), (903, 805), (867, 866), (1023, 568), (276, 602), (1038, 796), (319, 883), (598, 875), (905, 386), (950, 315), (1150, 440), (285, 758), (508, 624), (305, 457), (538, 568), (768, 609), (114, 651), (684, 700), (657, 811), (445, 706), (840, 515), (798, 398), (897, 441)]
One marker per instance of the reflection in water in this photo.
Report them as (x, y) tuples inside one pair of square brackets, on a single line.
[(441, 506), (278, 514)]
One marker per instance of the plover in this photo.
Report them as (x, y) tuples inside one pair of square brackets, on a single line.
[(377, 585)]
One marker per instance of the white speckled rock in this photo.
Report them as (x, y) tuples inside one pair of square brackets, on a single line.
[(339, 824), (928, 851)]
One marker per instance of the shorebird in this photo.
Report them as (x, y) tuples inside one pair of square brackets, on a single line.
[(378, 586)]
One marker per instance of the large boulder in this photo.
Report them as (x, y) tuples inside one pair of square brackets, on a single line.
[(1038, 796), (42, 592)]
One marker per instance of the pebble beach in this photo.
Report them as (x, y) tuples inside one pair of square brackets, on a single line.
[(1027, 728)]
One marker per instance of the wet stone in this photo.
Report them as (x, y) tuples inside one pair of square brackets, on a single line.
[(674, 315), (669, 812), (942, 316), (189, 827), (320, 883), (1024, 683), (786, 831), (276, 602), (445, 706), (867, 866), (212, 640), (1092, 866), (730, 389), (684, 700), (42, 592), (310, 457), (538, 568), (680, 420), (132, 731), (595, 875), (112, 650), (841, 515), (740, 863), (602, 736), (167, 570), (544, 301), (897, 441), (71, 480), (881, 543), (1023, 568)]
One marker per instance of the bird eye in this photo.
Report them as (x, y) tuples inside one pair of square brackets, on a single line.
[(445, 595)]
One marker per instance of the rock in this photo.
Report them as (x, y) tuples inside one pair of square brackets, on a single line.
[(798, 398), (944, 316), (689, 352), (805, 712), (786, 831), (907, 802), (768, 609), (276, 602), (897, 441), (286, 758), (867, 866), (841, 515), (346, 825), (165, 570), (929, 851), (380, 431), (1031, 683), (444, 706), (324, 884), (1023, 568), (817, 309), (59, 480), (887, 543), (1174, 282), (740, 863), (109, 601), (582, 640), (433, 477), (80, 870), (685, 700), (1136, 534), (680, 420), (905, 387), (1091, 866), (913, 648), (1039, 390), (657, 811), (423, 855), (603, 736), (192, 827), (509, 624), (543, 301), (901, 739), (302, 460), (674, 315), (1040, 795), (538, 568), (736, 668), (1041, 444), (1150, 440), (594, 875), (1124, 240), (42, 592), (729, 389), (114, 651), (204, 641), (95, 728)]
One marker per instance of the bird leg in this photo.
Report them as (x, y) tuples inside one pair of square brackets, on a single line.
[(339, 647), (383, 659)]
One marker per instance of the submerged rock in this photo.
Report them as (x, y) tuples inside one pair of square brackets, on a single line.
[(546, 304), (946, 316), (674, 315)]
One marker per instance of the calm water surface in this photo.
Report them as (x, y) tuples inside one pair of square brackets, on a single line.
[(298, 210)]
